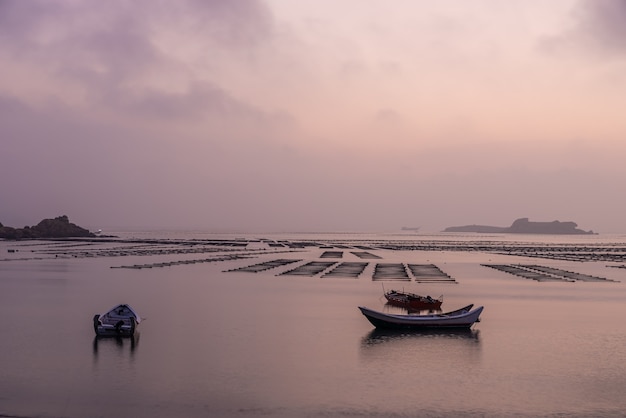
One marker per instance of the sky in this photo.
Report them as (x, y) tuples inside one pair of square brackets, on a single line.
[(315, 115)]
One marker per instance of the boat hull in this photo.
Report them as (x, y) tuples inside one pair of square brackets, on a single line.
[(463, 318), (121, 321)]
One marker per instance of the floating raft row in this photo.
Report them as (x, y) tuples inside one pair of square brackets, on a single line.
[(568, 253), (181, 262), (346, 247), (115, 247), (255, 268), (423, 273), (390, 271), (347, 269), (28, 258), (615, 252), (618, 267), (545, 273), (429, 273), (364, 247), (365, 254), (525, 273), (339, 254), (311, 268), (332, 254), (570, 274), (156, 249)]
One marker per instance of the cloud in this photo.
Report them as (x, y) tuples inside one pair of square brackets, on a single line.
[(200, 100), (232, 114), (236, 24), (599, 27), (604, 22), (143, 51)]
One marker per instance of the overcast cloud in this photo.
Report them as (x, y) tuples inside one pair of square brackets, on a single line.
[(267, 116)]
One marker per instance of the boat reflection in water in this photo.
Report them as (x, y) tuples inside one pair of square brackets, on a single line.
[(115, 344), (380, 336), (431, 349)]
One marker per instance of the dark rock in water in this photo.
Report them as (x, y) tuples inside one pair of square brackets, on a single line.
[(59, 227), (524, 226)]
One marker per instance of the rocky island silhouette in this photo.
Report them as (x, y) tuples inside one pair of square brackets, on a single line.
[(59, 227), (525, 226)]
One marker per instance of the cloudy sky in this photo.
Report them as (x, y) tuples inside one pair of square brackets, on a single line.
[(314, 115)]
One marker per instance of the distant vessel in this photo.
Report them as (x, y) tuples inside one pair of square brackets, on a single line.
[(411, 228)]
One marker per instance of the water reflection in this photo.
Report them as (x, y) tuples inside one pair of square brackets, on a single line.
[(119, 345), (390, 336), (457, 348)]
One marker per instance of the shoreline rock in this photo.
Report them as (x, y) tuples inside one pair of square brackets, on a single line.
[(59, 227)]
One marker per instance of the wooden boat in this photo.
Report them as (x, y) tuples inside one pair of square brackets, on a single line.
[(461, 318), (120, 321), (413, 301)]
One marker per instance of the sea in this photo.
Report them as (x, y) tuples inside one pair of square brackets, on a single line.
[(261, 325)]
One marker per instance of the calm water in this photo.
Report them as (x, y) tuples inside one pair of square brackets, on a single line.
[(239, 344)]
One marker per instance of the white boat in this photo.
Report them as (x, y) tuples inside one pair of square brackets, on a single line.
[(120, 321), (461, 318)]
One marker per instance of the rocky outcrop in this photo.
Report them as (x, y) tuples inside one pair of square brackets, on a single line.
[(476, 228), (59, 227), (524, 226)]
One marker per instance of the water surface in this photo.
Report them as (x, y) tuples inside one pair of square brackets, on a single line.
[(235, 344)]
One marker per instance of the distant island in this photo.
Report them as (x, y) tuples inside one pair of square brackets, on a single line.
[(524, 226), (59, 227)]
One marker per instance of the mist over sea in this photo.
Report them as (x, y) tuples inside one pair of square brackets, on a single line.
[(223, 336)]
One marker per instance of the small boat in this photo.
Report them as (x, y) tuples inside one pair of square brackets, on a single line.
[(121, 321), (461, 318), (413, 301), (411, 228)]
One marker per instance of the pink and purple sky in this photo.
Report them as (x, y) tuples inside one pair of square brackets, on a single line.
[(313, 115)]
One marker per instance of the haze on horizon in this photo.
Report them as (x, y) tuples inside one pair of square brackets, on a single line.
[(313, 115)]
